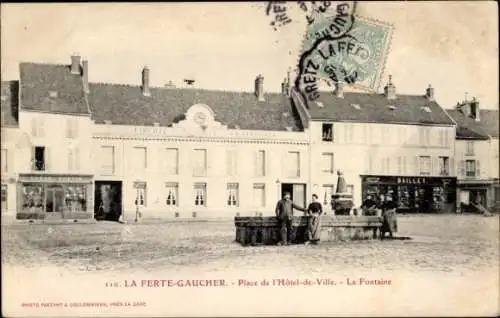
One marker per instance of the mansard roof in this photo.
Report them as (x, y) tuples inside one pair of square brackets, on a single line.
[(469, 128), (376, 108), (126, 105), (10, 104), (52, 88)]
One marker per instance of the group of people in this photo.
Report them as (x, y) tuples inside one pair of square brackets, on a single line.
[(386, 207), (284, 213)]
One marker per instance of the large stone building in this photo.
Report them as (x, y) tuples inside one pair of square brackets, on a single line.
[(74, 149), (385, 144), (477, 155)]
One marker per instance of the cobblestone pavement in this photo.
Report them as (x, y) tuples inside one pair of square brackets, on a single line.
[(442, 243)]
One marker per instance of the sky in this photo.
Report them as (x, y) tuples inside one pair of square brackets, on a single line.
[(224, 46)]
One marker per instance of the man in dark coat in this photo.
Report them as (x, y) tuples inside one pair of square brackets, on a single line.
[(284, 213), (369, 206), (389, 223)]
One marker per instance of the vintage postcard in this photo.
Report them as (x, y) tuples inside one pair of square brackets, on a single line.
[(282, 158)]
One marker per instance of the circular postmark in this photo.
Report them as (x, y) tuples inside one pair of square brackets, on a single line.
[(354, 55)]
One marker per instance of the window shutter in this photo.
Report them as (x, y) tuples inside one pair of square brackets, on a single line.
[(451, 166), (32, 161), (416, 168), (10, 160), (76, 158), (478, 169), (461, 168), (70, 159), (47, 159)]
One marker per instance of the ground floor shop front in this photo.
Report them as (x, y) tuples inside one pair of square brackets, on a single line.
[(419, 194), (473, 193), (54, 196)]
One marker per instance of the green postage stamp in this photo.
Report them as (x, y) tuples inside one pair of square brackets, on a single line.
[(343, 48)]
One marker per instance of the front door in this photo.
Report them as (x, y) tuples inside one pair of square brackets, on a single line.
[(54, 199), (297, 192), (108, 200)]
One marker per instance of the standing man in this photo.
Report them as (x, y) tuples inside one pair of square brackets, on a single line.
[(314, 211), (368, 205), (284, 213), (389, 219)]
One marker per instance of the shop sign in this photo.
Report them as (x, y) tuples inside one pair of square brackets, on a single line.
[(55, 179), (409, 180)]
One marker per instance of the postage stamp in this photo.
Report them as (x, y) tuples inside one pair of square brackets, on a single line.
[(343, 48)]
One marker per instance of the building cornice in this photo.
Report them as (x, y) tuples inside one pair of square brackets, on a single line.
[(205, 139)]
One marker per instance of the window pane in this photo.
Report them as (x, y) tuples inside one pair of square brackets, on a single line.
[(172, 161), (259, 195), (199, 162), (260, 164), (75, 198), (172, 194), (107, 158), (200, 192), (425, 165), (327, 195), (32, 196), (141, 193), (139, 157), (3, 160), (292, 164), (231, 162), (232, 196), (327, 163)]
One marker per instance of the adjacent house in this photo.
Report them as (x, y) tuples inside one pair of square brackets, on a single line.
[(477, 155)]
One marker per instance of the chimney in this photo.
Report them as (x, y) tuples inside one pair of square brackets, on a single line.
[(145, 82), (170, 84), (390, 89), (85, 76), (259, 88), (75, 64), (429, 93), (339, 90), (189, 82), (474, 109)]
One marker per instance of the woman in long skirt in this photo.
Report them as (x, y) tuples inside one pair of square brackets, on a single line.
[(390, 222), (314, 212)]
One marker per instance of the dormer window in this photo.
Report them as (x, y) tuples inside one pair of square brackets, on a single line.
[(391, 107), (53, 94), (327, 132), (107, 122), (426, 109), (320, 104), (288, 128), (156, 124), (355, 106)]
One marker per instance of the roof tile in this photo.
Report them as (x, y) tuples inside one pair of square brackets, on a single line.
[(376, 108), (51, 88), (125, 105), (469, 128)]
